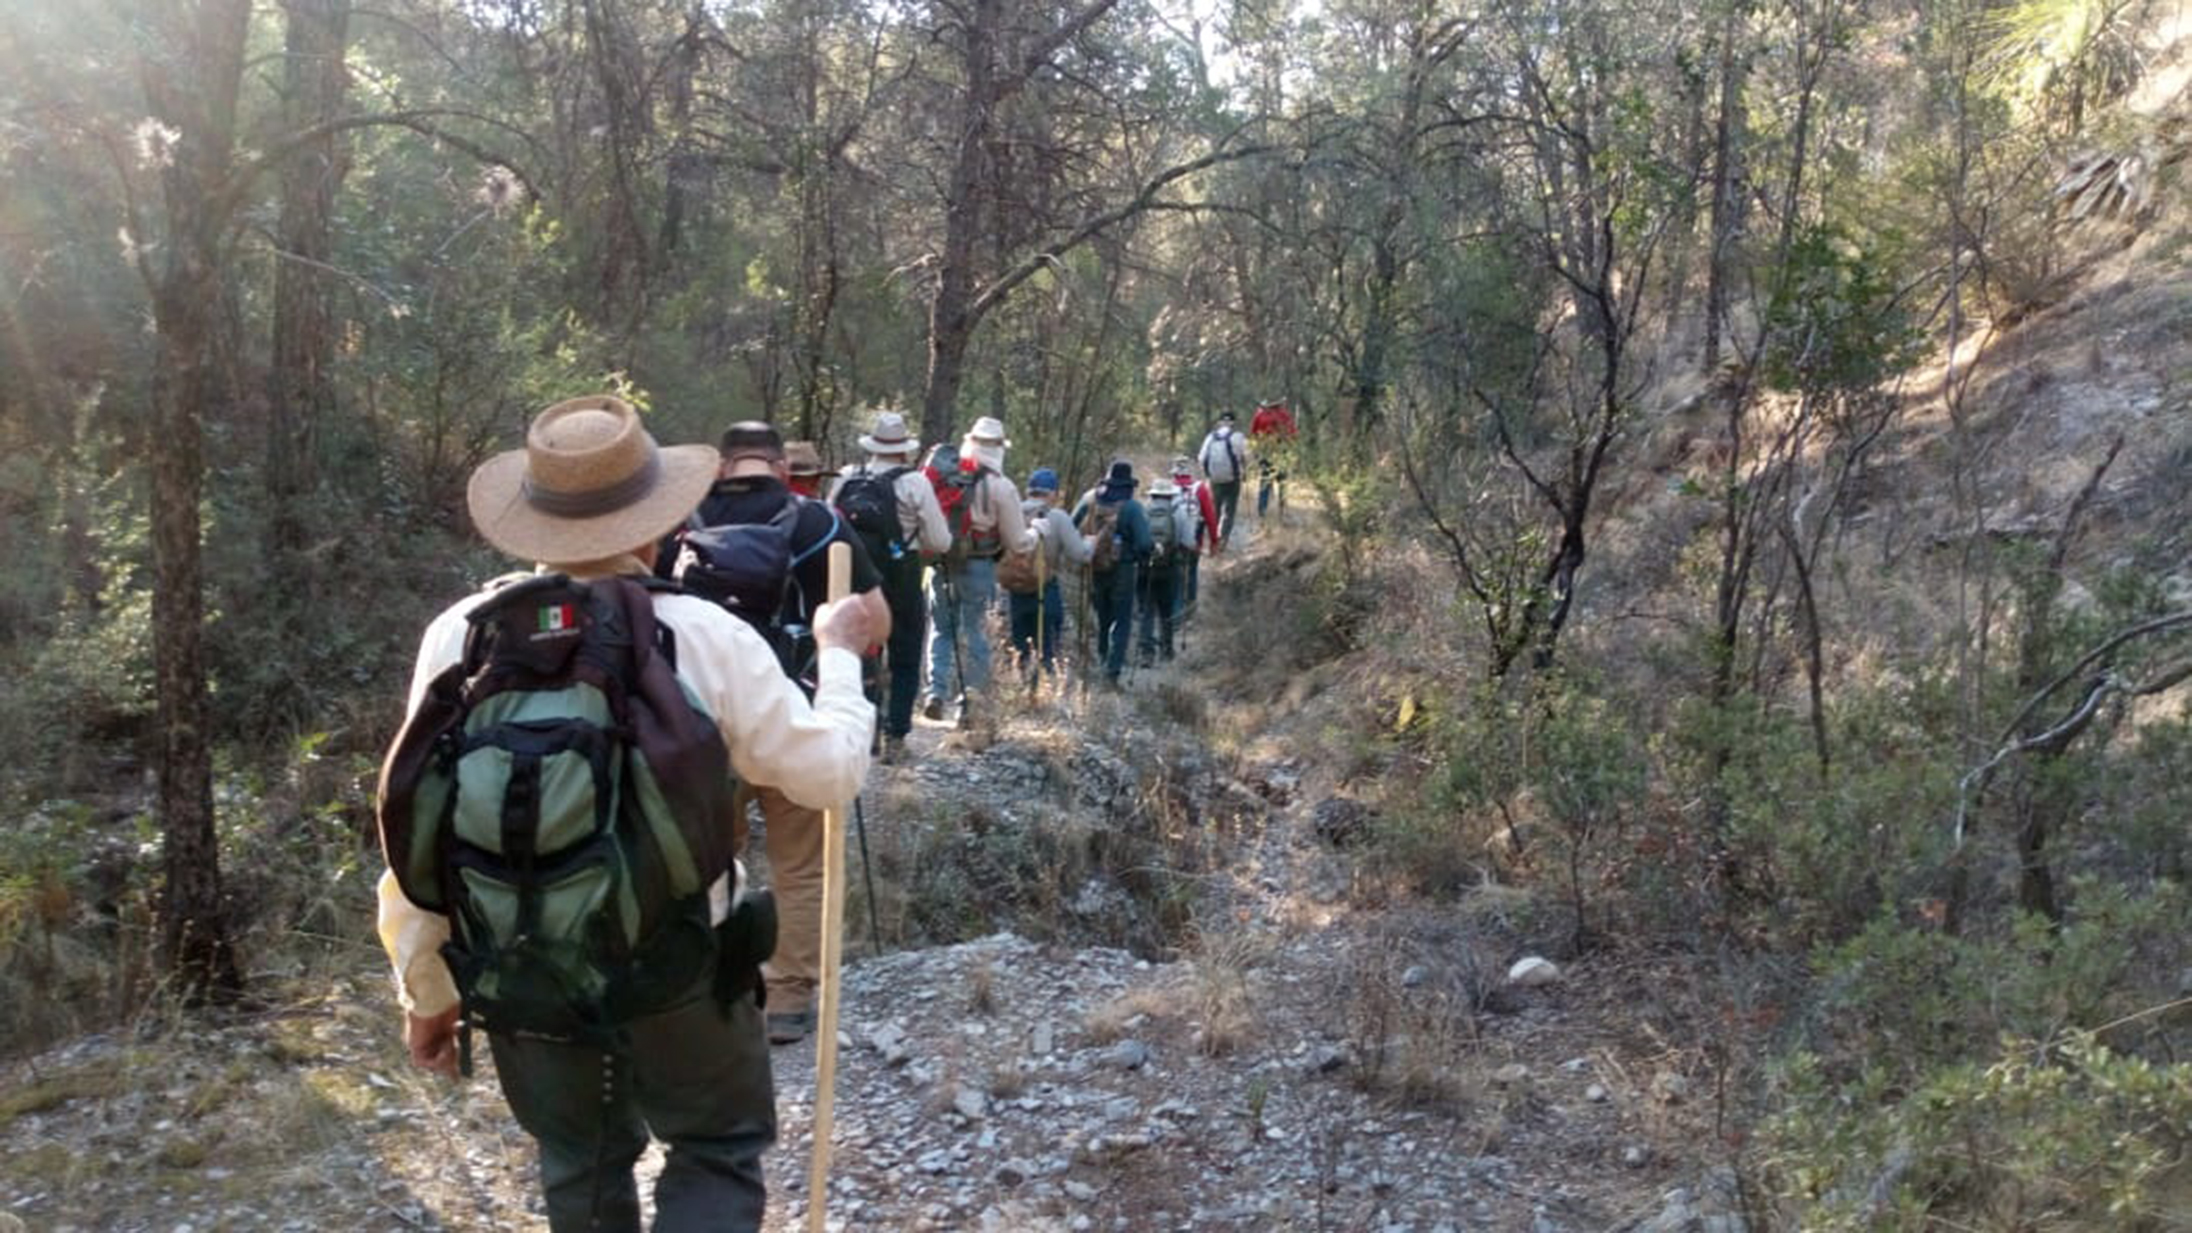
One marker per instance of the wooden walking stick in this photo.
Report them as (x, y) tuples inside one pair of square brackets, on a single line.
[(833, 949)]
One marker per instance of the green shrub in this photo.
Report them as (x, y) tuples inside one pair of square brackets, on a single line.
[(2038, 1137)]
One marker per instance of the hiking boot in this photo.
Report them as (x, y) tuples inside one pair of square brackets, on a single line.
[(932, 708), (789, 1027), (893, 751)]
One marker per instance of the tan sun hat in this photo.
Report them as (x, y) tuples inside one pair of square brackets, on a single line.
[(890, 437), (589, 484), (802, 458)]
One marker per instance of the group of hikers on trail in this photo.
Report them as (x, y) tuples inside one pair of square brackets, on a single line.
[(564, 809)]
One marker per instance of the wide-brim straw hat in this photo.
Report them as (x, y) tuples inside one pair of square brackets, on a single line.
[(802, 458), (1163, 488), (890, 436), (589, 484), (989, 432)]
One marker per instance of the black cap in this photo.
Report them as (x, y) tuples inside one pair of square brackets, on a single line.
[(752, 439)]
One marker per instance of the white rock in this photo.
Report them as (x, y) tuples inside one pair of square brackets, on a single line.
[(1596, 1093), (1532, 972), (970, 1103), (1128, 1054)]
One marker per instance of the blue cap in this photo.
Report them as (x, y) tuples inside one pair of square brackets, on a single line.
[(1044, 480)]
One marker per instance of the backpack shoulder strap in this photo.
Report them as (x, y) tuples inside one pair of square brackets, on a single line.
[(803, 555)]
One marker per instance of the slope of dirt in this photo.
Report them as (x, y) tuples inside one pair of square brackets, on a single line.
[(1275, 1052)]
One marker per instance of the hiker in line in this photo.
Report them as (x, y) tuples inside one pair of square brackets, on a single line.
[(1271, 430), (1036, 599), (983, 509), (804, 468), (1224, 459), (1196, 496), (1118, 535), (893, 509), (1157, 588), (730, 560), (591, 495)]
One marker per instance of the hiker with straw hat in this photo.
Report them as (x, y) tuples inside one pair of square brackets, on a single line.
[(1157, 589), (893, 509), (803, 469), (590, 496), (985, 522)]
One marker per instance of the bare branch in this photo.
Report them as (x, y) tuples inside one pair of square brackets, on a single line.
[(421, 120), (1047, 46), (1143, 200)]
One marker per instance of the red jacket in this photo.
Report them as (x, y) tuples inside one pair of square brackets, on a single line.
[(1272, 420)]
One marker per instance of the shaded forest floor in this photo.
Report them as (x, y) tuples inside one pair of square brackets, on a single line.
[(1199, 1011)]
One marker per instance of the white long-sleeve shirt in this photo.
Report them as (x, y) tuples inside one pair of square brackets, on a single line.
[(920, 517), (816, 754)]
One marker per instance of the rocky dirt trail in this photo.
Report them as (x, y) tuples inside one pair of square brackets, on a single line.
[(1261, 1045), (1304, 1064)]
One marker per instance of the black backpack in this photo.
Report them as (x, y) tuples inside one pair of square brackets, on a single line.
[(751, 568), (869, 502), (564, 799)]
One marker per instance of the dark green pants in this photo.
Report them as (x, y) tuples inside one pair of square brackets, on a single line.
[(696, 1076)]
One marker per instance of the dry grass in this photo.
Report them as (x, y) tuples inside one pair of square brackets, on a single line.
[(982, 988), (1111, 1022)]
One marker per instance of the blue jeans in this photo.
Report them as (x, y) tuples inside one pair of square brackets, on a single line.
[(1111, 597), (1042, 614), (958, 601)]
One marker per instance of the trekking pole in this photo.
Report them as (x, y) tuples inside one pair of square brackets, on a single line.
[(1042, 636), (833, 949), (867, 873), (1088, 608)]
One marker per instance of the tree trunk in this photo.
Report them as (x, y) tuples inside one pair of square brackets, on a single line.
[(192, 77), (300, 383), (1727, 190), (951, 312)]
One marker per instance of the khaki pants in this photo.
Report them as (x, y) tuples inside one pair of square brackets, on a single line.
[(794, 846)]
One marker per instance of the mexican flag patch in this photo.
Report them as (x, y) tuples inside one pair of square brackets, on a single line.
[(555, 618)]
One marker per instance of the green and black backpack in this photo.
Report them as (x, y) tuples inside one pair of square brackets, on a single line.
[(1163, 531), (565, 800)]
